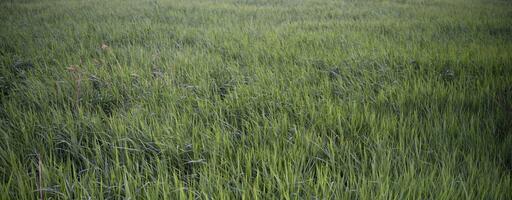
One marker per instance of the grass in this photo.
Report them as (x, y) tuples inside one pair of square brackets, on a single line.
[(246, 99)]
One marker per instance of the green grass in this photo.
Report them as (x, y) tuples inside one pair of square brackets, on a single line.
[(256, 99)]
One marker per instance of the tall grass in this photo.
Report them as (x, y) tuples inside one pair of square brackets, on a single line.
[(256, 99)]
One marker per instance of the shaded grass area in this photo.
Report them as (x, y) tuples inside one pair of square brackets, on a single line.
[(323, 99)]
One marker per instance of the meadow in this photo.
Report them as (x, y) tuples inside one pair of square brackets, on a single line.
[(256, 99)]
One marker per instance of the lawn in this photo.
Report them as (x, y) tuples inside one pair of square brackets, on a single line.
[(255, 99)]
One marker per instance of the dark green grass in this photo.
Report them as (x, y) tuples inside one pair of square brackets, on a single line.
[(276, 99)]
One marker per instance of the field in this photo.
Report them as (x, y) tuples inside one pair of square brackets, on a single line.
[(256, 99)]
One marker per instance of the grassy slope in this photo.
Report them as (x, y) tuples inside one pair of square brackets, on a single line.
[(258, 99)]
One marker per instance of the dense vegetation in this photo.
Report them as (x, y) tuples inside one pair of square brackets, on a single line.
[(256, 99)]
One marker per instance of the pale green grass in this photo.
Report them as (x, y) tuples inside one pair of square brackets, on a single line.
[(250, 99)]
